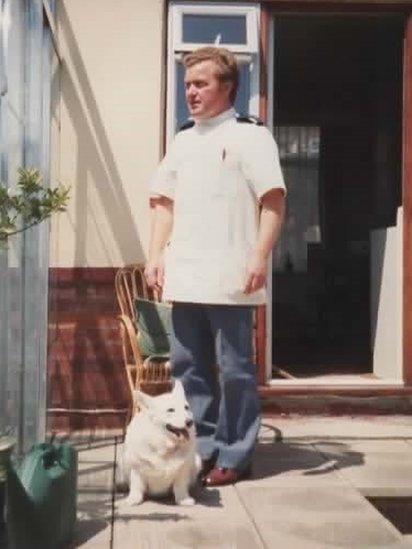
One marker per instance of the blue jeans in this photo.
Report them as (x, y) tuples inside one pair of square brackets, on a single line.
[(225, 402)]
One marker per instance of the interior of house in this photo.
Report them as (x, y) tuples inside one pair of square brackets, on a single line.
[(337, 106)]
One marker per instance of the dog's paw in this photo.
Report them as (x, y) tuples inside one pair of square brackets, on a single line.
[(136, 499), (186, 502)]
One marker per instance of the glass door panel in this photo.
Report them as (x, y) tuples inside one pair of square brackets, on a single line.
[(294, 303)]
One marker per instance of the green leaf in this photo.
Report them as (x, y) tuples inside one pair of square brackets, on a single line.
[(32, 204)]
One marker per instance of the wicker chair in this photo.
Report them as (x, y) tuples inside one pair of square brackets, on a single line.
[(142, 373)]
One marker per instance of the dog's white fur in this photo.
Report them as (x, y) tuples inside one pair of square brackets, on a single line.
[(160, 460)]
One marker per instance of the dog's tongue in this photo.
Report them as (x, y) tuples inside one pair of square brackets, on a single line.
[(184, 433), (181, 434)]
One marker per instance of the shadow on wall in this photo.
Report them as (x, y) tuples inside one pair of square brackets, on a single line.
[(95, 158), (85, 370)]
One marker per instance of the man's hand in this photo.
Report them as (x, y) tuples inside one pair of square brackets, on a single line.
[(162, 222), (154, 273), (256, 273)]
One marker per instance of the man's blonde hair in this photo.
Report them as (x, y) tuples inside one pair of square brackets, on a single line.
[(225, 61)]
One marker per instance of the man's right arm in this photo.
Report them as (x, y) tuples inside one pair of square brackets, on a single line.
[(161, 229)]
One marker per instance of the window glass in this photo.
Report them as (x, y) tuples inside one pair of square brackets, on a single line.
[(243, 92), (24, 128), (181, 108), (299, 156), (214, 29), (242, 98), (11, 272)]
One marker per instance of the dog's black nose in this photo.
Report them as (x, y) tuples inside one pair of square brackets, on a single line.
[(189, 422)]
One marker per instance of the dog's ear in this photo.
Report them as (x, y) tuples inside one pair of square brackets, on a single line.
[(178, 388), (142, 399)]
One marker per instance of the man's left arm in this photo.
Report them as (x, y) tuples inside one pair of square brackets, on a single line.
[(270, 222)]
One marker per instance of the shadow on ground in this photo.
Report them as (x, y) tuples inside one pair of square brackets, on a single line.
[(205, 497), (94, 515), (274, 456)]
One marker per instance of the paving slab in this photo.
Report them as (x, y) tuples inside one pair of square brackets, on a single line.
[(96, 467), (309, 474), (385, 468), (370, 428), (94, 496), (293, 464), (218, 519), (381, 446), (320, 517), (94, 520)]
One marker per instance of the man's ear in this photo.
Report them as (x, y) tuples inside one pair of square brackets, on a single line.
[(228, 86), (178, 389), (142, 400)]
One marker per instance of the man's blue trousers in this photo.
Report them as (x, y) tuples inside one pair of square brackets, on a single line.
[(212, 356)]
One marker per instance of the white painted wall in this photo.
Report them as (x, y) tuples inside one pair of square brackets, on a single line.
[(386, 300)]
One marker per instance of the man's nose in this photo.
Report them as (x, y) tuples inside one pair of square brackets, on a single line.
[(190, 90)]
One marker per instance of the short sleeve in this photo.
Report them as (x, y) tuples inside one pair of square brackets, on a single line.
[(260, 162), (163, 180)]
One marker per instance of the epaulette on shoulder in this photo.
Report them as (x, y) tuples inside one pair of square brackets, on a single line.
[(187, 125), (247, 119)]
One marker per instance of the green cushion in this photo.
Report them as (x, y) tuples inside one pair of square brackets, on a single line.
[(154, 327)]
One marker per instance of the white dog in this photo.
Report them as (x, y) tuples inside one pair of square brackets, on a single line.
[(160, 448)]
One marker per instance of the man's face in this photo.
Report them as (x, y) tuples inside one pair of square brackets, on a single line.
[(206, 95)]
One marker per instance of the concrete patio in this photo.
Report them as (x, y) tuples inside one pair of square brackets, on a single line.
[(311, 480)]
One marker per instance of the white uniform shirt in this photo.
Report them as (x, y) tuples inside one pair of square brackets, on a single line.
[(216, 172)]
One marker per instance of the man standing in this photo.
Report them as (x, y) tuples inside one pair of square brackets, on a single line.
[(218, 198)]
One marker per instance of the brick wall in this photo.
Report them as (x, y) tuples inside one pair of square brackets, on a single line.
[(85, 369)]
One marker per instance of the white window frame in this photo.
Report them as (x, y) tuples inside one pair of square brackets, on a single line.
[(245, 53), (248, 10)]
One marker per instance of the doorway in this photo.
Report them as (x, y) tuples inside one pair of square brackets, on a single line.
[(337, 107)]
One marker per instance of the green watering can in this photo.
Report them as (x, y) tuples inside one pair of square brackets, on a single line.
[(41, 498), (6, 448)]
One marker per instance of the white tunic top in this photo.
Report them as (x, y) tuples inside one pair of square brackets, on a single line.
[(216, 172)]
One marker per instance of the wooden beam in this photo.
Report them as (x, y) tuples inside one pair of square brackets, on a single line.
[(261, 326), (339, 8), (342, 4), (407, 203)]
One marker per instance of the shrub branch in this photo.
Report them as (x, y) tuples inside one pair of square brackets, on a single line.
[(31, 204)]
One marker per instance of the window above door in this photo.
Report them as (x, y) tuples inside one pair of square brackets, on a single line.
[(234, 26), (195, 25)]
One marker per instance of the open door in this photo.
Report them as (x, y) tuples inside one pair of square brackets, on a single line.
[(337, 120)]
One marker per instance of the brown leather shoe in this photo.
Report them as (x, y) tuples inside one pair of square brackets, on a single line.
[(219, 476), (207, 465)]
